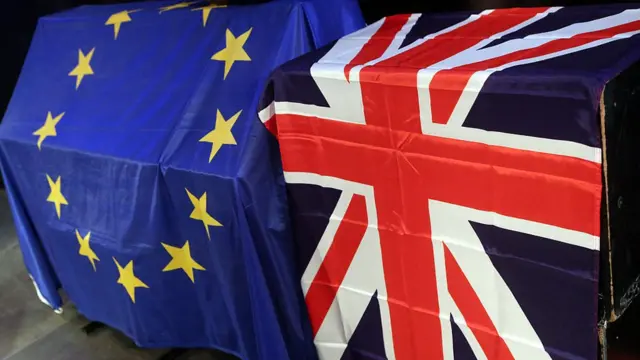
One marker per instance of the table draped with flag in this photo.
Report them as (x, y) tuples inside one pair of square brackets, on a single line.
[(444, 174), (138, 179)]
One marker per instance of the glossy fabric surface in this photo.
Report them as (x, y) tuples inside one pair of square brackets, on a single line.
[(444, 177), (141, 182)]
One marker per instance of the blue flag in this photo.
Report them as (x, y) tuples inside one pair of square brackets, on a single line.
[(140, 180)]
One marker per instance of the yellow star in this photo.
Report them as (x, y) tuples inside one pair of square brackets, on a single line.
[(129, 280), (48, 129), (117, 19), (200, 212), (55, 196), (180, 5), (181, 259), (233, 51), (206, 11), (221, 133), (85, 248), (83, 68)]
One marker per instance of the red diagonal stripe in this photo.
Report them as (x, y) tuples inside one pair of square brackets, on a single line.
[(324, 288), (379, 42), (473, 311), (459, 39), (553, 47), (447, 86)]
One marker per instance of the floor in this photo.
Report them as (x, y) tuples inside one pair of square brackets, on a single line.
[(31, 331)]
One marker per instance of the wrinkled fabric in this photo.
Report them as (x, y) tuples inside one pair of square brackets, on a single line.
[(443, 173), (139, 181)]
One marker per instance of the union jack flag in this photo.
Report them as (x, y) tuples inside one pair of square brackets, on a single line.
[(444, 178)]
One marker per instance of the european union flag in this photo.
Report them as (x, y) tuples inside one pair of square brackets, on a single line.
[(141, 181)]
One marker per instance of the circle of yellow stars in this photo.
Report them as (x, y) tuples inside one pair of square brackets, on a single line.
[(128, 279), (84, 67), (118, 19), (181, 257), (181, 260), (48, 129), (85, 248), (221, 133), (55, 194), (206, 11), (233, 51), (200, 211)]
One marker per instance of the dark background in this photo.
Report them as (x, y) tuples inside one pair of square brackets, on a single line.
[(18, 19)]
